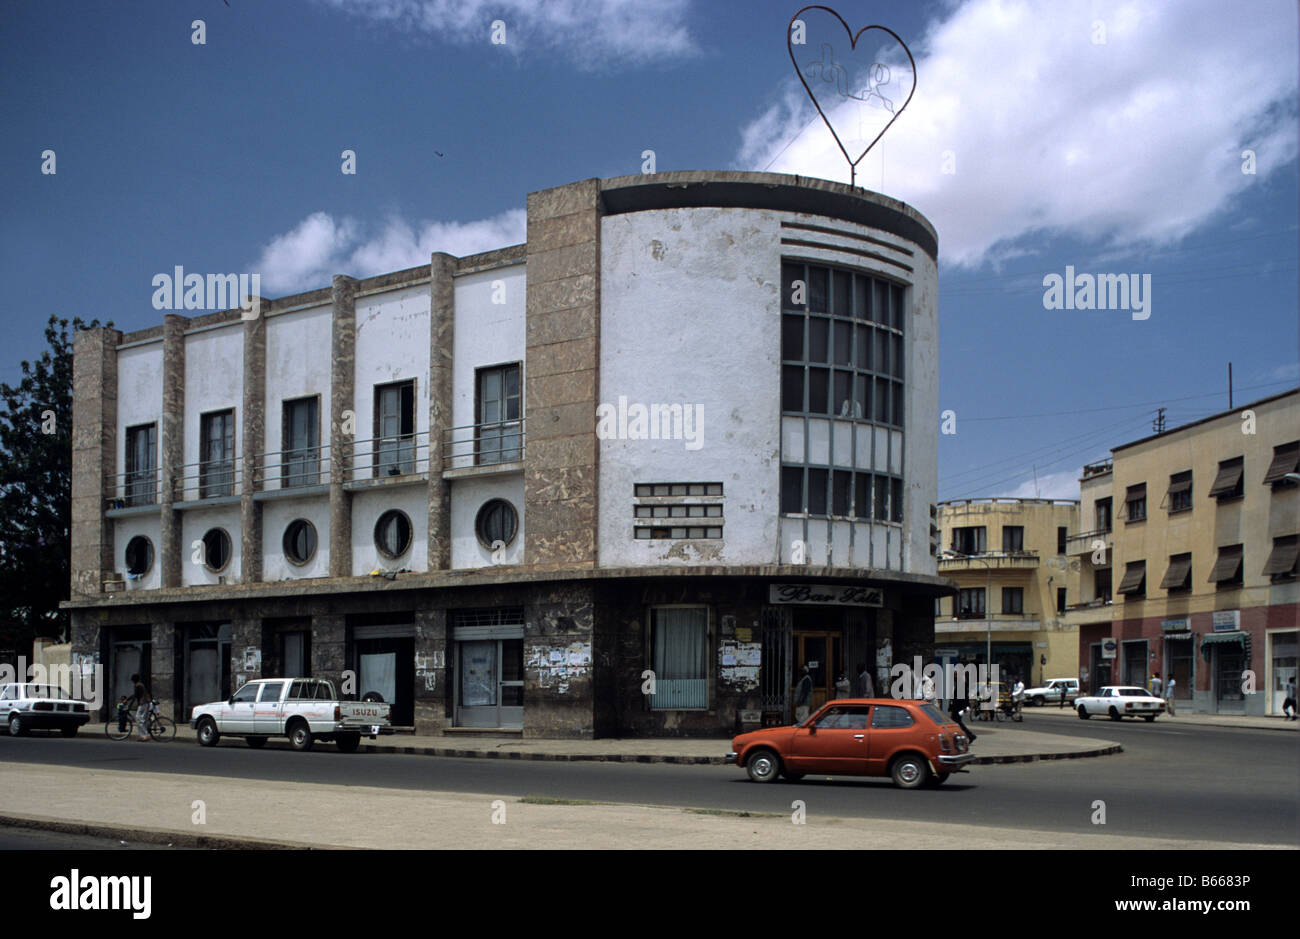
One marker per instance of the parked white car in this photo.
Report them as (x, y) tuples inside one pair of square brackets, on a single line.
[(25, 707), (1050, 692), (1119, 702), (303, 709)]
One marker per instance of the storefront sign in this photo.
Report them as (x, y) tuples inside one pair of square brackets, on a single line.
[(1174, 625), (826, 595), (1226, 620), (945, 653), (1108, 647)]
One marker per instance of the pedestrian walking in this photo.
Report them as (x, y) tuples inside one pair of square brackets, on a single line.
[(955, 711), (1169, 696), (141, 699), (1064, 688), (865, 686), (1155, 684), (1289, 705), (843, 688), (803, 695)]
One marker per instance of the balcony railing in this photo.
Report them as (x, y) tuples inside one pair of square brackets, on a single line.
[(1013, 560), (1081, 543), (208, 479), (127, 490), (293, 469), (483, 444), (390, 457)]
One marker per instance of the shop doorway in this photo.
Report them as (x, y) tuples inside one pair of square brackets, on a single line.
[(207, 663), (129, 653), (820, 650), (1284, 668), (490, 690), (384, 660), (1136, 663), (1100, 669), (1179, 664), (1228, 660)]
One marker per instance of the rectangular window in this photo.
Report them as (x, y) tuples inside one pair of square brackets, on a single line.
[(1013, 599), (1134, 583), (499, 408), (1179, 575), (882, 498), (394, 445), (970, 603), (1060, 601), (817, 479), (792, 490), (1286, 459), (142, 464), (1281, 563), (1103, 514), (895, 500), (1227, 570), (1180, 491), (300, 439), (1013, 539), (862, 495), (1228, 484), (217, 442), (841, 491), (1101, 584), (969, 540), (1062, 533), (678, 654), (1135, 503)]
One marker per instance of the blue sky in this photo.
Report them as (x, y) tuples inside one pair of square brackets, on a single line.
[(1028, 143)]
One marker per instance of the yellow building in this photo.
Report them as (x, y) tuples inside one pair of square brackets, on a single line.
[(1186, 548), (1008, 557)]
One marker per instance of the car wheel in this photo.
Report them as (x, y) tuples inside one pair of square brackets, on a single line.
[(1083, 713), (1115, 715), (938, 779), (255, 742), (1039, 701), (68, 731), (1149, 718), (300, 736), (348, 743), (16, 726), (763, 766), (208, 734), (910, 772)]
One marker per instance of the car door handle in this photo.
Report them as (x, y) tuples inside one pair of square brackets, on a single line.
[(859, 736)]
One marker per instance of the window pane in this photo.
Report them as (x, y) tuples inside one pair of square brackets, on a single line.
[(818, 390), (792, 388), (880, 301), (840, 493), (792, 489), (842, 400), (896, 500), (862, 397), (862, 495), (840, 300), (863, 355), (861, 297), (817, 479), (843, 351), (896, 305), (896, 356), (818, 289), (882, 400), (882, 352), (792, 337), (882, 498), (898, 403), (818, 339)]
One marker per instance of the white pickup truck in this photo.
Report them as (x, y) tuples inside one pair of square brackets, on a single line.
[(303, 709)]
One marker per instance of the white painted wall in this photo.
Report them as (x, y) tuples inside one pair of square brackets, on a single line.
[(486, 333), (194, 525), (214, 381), (392, 345), (298, 365), (367, 506), (128, 527), (276, 516), (139, 397), (690, 314), (467, 497)]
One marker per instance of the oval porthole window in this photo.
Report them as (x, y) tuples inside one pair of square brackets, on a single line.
[(393, 533), (497, 521), (216, 549), (300, 541), (139, 555)]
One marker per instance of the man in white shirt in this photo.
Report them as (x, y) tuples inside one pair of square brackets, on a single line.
[(1169, 696)]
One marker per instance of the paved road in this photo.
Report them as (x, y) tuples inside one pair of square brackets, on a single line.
[(24, 839), (1228, 785)]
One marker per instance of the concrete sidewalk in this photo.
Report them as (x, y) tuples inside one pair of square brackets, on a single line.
[(1182, 718), (201, 811), (996, 743)]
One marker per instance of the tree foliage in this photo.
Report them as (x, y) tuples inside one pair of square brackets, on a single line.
[(36, 491)]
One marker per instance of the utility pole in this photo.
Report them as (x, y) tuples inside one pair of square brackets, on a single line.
[(1158, 425), (1229, 386)]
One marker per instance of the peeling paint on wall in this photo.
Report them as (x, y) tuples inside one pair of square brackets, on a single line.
[(557, 666), (739, 664)]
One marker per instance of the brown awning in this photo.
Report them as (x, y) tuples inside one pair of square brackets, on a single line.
[(1285, 460), (1180, 485), (1225, 567), (1179, 569), (1227, 480), (1281, 560), (1134, 575)]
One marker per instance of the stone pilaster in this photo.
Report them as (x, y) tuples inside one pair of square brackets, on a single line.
[(342, 397), (171, 449), (442, 316), (94, 454), (431, 689), (561, 375), (245, 636), (253, 435), (328, 646), (162, 677)]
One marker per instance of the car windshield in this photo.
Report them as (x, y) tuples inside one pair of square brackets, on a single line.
[(936, 715)]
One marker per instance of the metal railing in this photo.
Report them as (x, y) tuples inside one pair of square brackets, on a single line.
[(993, 558), (292, 469), (483, 444), (137, 487), (390, 457), (208, 479)]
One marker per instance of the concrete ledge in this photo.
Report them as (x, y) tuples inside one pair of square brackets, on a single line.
[(181, 839)]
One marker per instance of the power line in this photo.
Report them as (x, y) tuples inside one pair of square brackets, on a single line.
[(1125, 407), (1043, 449)]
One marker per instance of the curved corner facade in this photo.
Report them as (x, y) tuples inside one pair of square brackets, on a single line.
[(626, 477)]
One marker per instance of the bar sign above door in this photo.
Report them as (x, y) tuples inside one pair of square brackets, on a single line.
[(826, 595)]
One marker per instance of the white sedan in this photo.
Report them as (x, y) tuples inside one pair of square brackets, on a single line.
[(1119, 702)]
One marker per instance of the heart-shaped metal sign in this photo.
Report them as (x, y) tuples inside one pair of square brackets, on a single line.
[(835, 78)]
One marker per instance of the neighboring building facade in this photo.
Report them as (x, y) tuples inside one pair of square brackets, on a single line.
[(1189, 560), (1015, 580), (625, 478)]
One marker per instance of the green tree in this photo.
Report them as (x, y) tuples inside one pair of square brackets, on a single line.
[(36, 492)]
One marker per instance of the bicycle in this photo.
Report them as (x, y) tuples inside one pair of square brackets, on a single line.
[(161, 727)]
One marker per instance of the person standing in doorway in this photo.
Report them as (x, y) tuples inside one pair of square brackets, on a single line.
[(803, 695), (1289, 705), (843, 687), (141, 699), (1169, 695), (865, 686), (1155, 684)]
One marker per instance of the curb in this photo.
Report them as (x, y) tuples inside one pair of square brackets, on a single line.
[(179, 839), (1185, 722)]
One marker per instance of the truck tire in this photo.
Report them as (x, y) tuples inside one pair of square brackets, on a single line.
[(207, 732), (300, 736), (348, 743)]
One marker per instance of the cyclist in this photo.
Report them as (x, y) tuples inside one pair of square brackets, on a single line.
[(143, 700)]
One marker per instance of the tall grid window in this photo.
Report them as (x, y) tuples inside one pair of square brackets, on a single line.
[(141, 464), (217, 471)]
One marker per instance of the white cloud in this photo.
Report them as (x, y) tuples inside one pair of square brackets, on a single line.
[(593, 34), (1048, 486), (1135, 141), (320, 246)]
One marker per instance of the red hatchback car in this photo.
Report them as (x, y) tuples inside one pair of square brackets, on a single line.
[(911, 741)]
